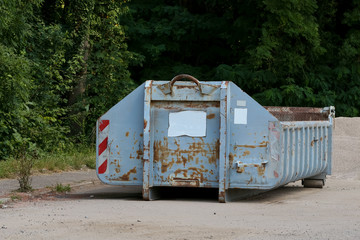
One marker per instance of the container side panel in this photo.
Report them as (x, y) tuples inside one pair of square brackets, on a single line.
[(305, 149), (250, 164), (119, 159)]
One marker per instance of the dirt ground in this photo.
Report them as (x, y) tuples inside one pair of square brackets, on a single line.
[(96, 211)]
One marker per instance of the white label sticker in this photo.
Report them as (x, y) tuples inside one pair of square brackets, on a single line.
[(187, 123), (241, 103), (240, 116)]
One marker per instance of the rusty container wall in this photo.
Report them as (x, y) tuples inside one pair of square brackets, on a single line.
[(305, 150), (212, 135), (119, 141)]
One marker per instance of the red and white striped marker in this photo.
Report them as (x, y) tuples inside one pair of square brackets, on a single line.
[(103, 146)]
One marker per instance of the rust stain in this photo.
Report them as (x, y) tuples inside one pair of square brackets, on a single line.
[(250, 146), (145, 123), (211, 151), (180, 182), (185, 86), (181, 171), (177, 144), (250, 181), (184, 156), (222, 196), (202, 105), (198, 174), (214, 152), (312, 143), (210, 116), (247, 152), (126, 176), (276, 174), (135, 178), (241, 169), (193, 172), (184, 160), (169, 107), (117, 170), (127, 134), (198, 169), (298, 113), (260, 169), (161, 151), (148, 89), (231, 158), (139, 154), (116, 163), (141, 135), (165, 166)]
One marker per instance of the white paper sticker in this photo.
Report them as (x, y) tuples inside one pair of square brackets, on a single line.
[(187, 123), (240, 116)]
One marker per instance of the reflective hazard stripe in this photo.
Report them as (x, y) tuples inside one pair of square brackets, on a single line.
[(103, 150)]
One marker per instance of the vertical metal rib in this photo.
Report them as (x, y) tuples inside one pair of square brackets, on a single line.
[(321, 148), (306, 152), (302, 155), (298, 155), (286, 154), (311, 151), (326, 142), (292, 165)]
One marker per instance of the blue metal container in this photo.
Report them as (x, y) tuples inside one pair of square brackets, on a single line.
[(210, 134)]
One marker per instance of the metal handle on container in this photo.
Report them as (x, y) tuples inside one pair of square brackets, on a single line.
[(204, 89), (184, 76)]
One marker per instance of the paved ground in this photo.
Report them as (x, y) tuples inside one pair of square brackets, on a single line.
[(96, 211), (50, 180)]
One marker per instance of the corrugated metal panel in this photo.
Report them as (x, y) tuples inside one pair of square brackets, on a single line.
[(305, 149)]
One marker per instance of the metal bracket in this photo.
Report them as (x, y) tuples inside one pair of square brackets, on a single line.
[(240, 166), (331, 113)]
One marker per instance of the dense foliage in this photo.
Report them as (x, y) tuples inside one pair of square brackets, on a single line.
[(65, 62), (298, 52)]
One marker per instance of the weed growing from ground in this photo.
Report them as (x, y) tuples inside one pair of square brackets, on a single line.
[(62, 188)]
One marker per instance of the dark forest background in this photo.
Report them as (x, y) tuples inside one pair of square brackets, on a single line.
[(63, 63)]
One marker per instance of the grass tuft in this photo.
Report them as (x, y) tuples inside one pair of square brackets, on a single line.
[(15, 197), (62, 188)]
